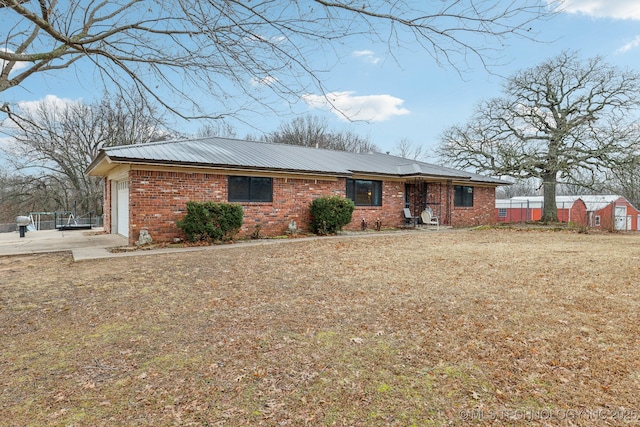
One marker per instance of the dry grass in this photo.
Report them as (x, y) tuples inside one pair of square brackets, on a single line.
[(459, 328)]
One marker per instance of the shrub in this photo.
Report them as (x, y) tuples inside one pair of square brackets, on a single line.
[(211, 221), (330, 213)]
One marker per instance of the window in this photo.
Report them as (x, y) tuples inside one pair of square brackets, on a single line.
[(502, 212), (463, 196), (597, 221), (250, 189), (364, 192)]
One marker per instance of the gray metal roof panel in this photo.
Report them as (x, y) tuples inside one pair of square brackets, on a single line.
[(225, 152)]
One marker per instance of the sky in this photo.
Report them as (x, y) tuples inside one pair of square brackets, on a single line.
[(408, 96)]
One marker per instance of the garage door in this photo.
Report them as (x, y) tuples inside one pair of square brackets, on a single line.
[(123, 208), (621, 217)]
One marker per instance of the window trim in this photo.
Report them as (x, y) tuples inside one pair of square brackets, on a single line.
[(250, 199), (350, 191), (462, 203), (502, 212)]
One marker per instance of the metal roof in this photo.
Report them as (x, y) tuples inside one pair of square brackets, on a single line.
[(233, 153), (592, 202)]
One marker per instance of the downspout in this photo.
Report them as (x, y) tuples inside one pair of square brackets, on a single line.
[(449, 190)]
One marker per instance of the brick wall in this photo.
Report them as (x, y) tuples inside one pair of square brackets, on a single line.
[(482, 212), (291, 199), (157, 199), (390, 213)]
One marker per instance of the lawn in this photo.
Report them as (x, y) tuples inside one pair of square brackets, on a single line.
[(492, 327)]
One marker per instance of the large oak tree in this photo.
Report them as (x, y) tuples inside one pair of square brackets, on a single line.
[(565, 120)]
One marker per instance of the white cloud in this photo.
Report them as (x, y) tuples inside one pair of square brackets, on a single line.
[(17, 66), (49, 101), (616, 9), (629, 46), (367, 55), (267, 81), (371, 108)]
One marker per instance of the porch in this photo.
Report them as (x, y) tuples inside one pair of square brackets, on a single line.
[(421, 195)]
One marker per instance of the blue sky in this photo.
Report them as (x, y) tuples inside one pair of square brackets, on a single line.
[(413, 98), (424, 99)]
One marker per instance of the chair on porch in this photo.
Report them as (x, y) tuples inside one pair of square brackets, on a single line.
[(410, 219), (429, 218)]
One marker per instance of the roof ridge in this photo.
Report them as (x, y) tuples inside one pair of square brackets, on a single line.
[(173, 141), (213, 138)]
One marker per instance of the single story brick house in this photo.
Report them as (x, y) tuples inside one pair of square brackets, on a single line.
[(149, 185), (604, 211)]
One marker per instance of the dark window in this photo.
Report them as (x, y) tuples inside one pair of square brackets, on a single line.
[(250, 189), (463, 196), (364, 192)]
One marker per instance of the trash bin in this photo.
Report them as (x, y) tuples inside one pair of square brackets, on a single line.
[(23, 222)]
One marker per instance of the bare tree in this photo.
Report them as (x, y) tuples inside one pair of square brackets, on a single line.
[(405, 149), (566, 120), (313, 131), (349, 141), (307, 131), (221, 47), (625, 180), (21, 194), (216, 128), (59, 139), (521, 187)]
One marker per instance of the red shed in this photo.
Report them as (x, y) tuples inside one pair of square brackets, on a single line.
[(607, 212), (611, 212)]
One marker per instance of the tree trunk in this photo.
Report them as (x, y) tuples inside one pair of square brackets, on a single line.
[(550, 212)]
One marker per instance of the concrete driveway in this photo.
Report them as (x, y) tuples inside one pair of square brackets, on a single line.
[(84, 244)]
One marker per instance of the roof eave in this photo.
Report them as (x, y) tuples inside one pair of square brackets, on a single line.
[(96, 163), (465, 179), (203, 165), (103, 163), (432, 176)]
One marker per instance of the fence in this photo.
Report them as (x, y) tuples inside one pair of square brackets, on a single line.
[(37, 223), (605, 215), (510, 211)]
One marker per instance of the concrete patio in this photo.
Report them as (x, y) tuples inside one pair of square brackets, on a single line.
[(85, 244)]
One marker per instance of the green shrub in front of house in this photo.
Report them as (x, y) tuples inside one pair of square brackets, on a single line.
[(211, 221), (330, 213)]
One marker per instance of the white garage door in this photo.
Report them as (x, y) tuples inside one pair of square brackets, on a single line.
[(123, 208), (621, 218)]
